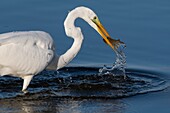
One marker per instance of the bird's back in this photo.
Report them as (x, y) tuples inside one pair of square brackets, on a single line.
[(25, 53)]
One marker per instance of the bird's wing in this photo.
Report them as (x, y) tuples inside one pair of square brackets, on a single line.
[(26, 52), (40, 38)]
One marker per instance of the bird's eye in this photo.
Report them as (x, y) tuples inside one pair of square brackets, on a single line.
[(95, 18)]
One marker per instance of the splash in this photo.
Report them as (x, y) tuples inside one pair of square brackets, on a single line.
[(83, 83), (118, 67)]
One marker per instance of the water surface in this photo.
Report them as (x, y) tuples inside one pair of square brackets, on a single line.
[(142, 25)]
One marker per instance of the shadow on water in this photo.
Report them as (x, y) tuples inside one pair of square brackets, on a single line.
[(77, 89)]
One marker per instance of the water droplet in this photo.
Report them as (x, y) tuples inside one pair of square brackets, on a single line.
[(118, 67)]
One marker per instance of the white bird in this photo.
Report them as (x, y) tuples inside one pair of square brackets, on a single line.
[(26, 53)]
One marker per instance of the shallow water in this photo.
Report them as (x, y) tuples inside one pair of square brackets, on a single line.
[(74, 89), (142, 25), (84, 83)]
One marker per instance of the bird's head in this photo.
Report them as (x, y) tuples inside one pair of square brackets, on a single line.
[(92, 19)]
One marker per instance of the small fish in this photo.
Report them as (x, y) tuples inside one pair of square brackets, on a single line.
[(115, 44)]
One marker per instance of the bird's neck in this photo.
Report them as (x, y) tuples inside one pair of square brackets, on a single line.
[(62, 60), (71, 31), (70, 53), (69, 24), (75, 33)]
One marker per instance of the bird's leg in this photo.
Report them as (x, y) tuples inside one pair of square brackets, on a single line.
[(27, 80)]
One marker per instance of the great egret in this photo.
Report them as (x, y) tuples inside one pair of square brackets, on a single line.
[(26, 53)]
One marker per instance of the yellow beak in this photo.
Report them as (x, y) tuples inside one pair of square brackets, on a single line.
[(114, 44)]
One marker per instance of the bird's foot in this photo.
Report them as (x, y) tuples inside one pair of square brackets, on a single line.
[(25, 91)]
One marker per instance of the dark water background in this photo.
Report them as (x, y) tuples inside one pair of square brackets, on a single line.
[(143, 25)]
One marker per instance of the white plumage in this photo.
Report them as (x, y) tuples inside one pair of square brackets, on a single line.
[(25, 53)]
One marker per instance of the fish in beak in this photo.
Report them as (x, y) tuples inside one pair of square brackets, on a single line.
[(114, 44)]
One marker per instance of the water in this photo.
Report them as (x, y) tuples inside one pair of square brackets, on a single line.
[(118, 67), (76, 82), (142, 25)]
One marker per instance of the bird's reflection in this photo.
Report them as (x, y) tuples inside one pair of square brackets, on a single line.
[(60, 105)]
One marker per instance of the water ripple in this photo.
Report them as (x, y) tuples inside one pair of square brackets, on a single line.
[(83, 82)]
